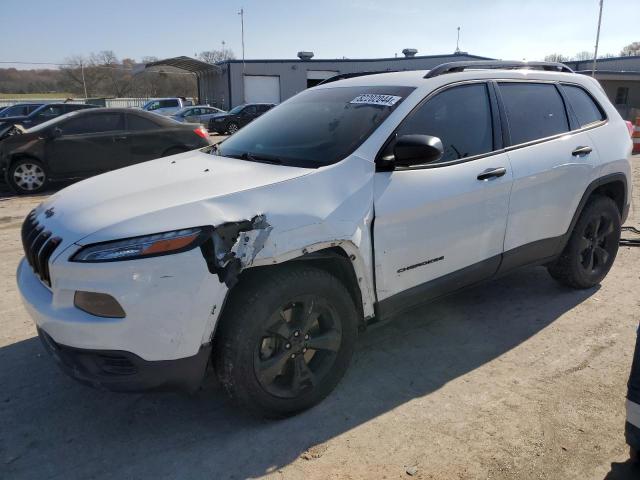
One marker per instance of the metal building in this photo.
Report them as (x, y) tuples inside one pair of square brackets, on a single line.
[(620, 78), (234, 82)]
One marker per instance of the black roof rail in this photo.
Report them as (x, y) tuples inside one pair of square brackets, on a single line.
[(452, 67), (342, 76)]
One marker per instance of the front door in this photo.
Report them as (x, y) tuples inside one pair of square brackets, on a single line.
[(89, 143), (441, 226)]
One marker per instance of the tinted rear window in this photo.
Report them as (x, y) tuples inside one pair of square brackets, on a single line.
[(137, 122), (316, 127), (583, 105), (534, 111), (96, 123)]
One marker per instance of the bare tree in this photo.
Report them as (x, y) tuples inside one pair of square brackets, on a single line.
[(556, 57), (631, 49), (584, 55), (78, 72), (116, 78), (216, 56)]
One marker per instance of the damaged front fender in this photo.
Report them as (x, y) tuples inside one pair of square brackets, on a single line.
[(233, 246)]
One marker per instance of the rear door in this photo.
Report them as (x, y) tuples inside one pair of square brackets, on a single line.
[(147, 139), (90, 143), (248, 114), (441, 226), (552, 161)]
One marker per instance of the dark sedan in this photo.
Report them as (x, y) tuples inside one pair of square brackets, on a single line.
[(84, 143), (41, 114), (18, 110), (238, 117)]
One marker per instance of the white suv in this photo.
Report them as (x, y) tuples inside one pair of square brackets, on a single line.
[(346, 204)]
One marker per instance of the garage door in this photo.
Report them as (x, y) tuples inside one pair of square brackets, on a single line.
[(261, 89)]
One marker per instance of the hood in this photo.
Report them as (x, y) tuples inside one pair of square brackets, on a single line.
[(13, 119), (160, 195), (12, 142)]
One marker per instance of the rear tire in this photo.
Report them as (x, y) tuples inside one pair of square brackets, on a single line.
[(27, 176), (285, 340), (232, 127), (592, 247)]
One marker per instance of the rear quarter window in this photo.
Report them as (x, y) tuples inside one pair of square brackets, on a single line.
[(583, 105), (138, 123), (534, 111)]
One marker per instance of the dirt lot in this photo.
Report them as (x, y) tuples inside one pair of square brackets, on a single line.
[(515, 379)]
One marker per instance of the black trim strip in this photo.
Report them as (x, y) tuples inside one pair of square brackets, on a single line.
[(452, 282)]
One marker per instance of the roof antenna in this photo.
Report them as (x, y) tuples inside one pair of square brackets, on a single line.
[(458, 42)]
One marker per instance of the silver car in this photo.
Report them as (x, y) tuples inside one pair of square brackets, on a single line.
[(197, 114)]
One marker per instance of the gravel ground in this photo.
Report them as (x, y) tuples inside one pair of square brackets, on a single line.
[(515, 379)]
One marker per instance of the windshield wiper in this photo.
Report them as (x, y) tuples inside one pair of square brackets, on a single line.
[(255, 157)]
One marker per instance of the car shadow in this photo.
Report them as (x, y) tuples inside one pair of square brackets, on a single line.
[(624, 471), (53, 427)]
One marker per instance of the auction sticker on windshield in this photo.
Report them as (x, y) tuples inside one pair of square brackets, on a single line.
[(375, 99)]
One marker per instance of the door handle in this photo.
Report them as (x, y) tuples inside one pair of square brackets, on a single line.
[(579, 151), (492, 173), (120, 138)]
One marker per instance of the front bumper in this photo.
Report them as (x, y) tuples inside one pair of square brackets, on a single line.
[(171, 303), (120, 371)]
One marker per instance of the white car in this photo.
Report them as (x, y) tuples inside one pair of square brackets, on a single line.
[(347, 204), (166, 106)]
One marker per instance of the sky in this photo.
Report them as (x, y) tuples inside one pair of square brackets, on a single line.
[(53, 30)]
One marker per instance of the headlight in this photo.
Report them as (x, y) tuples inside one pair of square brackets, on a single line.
[(142, 247)]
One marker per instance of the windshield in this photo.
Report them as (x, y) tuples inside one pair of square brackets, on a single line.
[(44, 125), (13, 111), (237, 109), (316, 127)]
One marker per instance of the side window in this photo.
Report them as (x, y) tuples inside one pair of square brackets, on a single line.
[(534, 111), (250, 110), (583, 105), (96, 123), (460, 117), (169, 103), (50, 111), (138, 123)]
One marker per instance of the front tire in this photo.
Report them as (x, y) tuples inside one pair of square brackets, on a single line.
[(285, 341), (592, 247), (27, 176)]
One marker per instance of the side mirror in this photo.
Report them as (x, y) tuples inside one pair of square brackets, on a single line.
[(55, 132), (417, 149)]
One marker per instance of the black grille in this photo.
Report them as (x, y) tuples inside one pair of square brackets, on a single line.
[(39, 244)]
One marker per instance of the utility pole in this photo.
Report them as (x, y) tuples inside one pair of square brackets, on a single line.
[(595, 54), (241, 13), (458, 42), (84, 84)]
